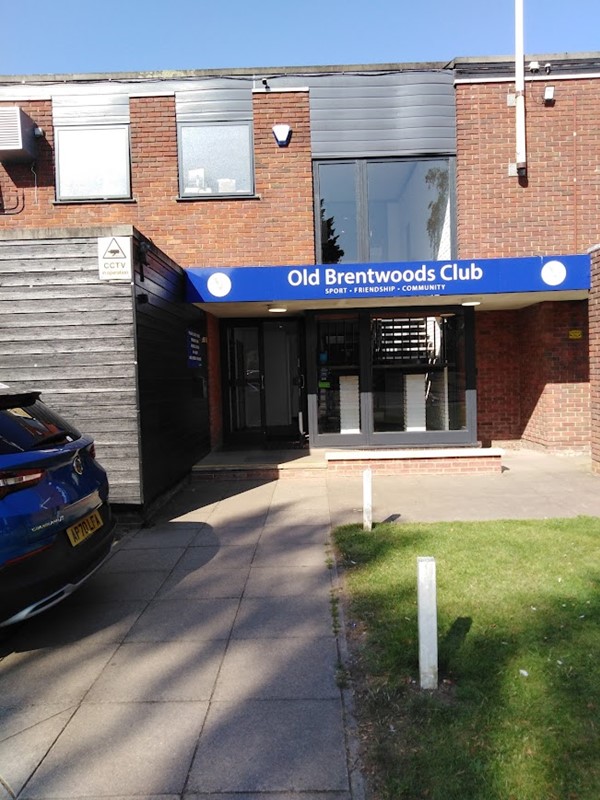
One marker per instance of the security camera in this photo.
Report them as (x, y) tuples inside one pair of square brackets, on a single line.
[(548, 68), (534, 66)]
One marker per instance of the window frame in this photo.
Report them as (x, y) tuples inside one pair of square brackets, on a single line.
[(248, 126), (368, 436), (362, 199), (90, 197)]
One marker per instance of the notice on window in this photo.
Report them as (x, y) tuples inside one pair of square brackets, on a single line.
[(115, 261), (349, 404)]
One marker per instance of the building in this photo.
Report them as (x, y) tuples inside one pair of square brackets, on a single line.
[(439, 295)]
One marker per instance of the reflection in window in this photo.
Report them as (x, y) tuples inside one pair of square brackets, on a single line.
[(215, 159), (92, 163), (382, 211), (418, 373), (338, 211), (338, 393), (408, 210)]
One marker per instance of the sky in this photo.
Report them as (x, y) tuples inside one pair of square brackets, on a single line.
[(90, 36)]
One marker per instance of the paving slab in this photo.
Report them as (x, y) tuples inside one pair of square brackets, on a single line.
[(208, 581), (26, 735), (296, 534), (140, 559), (159, 672), (221, 556), (61, 674), (276, 553), (269, 617), (223, 534), (121, 749), (84, 624), (295, 514), (121, 587), (280, 669), (169, 534), (184, 620), (287, 581), (271, 746)]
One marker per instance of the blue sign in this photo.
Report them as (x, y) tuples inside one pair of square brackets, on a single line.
[(397, 279)]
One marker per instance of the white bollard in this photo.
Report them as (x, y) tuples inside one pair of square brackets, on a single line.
[(427, 615), (367, 500)]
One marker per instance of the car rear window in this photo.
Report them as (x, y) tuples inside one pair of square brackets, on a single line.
[(27, 424)]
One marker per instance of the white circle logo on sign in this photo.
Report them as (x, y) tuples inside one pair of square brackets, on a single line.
[(554, 273), (219, 284)]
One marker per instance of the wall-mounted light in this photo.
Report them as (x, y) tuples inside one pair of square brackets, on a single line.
[(276, 309), (469, 303), (549, 96), (282, 134)]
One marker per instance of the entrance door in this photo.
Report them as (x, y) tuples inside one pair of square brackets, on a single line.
[(265, 383)]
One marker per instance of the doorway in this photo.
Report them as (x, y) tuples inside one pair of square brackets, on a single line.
[(264, 382)]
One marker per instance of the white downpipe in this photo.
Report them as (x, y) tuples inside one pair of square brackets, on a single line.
[(521, 154)]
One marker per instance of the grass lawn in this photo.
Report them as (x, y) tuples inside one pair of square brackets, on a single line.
[(517, 712)]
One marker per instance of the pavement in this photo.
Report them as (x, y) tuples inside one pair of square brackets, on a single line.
[(201, 660)]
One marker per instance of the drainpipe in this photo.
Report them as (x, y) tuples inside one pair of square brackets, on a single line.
[(521, 155)]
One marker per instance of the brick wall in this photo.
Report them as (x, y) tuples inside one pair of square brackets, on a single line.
[(554, 385), (555, 209), (498, 406), (533, 380), (275, 228), (533, 376)]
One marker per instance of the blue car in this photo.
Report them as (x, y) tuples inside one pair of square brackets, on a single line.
[(56, 526)]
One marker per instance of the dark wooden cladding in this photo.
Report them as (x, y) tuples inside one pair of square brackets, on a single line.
[(173, 394), (115, 366), (73, 340)]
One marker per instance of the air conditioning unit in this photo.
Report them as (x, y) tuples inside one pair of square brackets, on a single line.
[(17, 136)]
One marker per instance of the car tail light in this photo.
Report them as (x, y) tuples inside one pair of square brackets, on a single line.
[(19, 479)]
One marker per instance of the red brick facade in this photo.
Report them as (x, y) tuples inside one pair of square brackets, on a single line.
[(555, 209), (275, 228), (533, 367), (533, 364), (533, 376)]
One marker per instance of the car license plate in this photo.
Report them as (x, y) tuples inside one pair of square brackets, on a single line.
[(79, 532)]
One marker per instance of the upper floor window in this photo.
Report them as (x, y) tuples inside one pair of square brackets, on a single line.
[(92, 163), (391, 210), (215, 159)]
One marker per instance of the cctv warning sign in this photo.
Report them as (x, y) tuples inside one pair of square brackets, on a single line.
[(115, 258)]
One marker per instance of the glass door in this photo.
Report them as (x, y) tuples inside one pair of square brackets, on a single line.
[(245, 383), (391, 377), (264, 382)]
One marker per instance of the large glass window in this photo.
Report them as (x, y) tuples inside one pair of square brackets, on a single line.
[(391, 376), (215, 159), (393, 210), (338, 370), (93, 163), (338, 213), (418, 372)]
